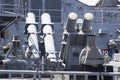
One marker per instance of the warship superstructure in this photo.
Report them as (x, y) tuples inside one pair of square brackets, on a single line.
[(75, 39)]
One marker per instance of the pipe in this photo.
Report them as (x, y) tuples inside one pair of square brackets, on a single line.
[(71, 22), (63, 45), (86, 26)]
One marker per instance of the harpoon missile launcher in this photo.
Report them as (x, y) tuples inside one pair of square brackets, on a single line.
[(32, 39), (47, 30)]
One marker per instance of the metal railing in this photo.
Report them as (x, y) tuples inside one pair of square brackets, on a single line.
[(13, 6), (18, 7), (53, 75)]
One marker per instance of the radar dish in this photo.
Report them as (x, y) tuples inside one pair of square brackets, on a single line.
[(90, 2), (99, 3)]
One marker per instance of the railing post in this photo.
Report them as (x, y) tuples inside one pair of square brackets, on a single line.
[(98, 78), (51, 77), (62, 76), (102, 77), (39, 77), (10, 76), (86, 77), (34, 76), (74, 76), (22, 76)]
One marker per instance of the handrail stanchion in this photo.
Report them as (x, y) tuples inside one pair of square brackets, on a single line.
[(51, 76), (39, 77), (74, 76), (102, 77), (98, 78), (34, 76), (10, 75), (62, 76), (22, 76), (86, 77)]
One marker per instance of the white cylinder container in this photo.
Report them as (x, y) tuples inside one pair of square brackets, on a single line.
[(30, 19), (33, 41), (49, 42), (45, 18)]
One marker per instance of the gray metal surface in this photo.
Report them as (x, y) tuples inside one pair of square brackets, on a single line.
[(105, 26)]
